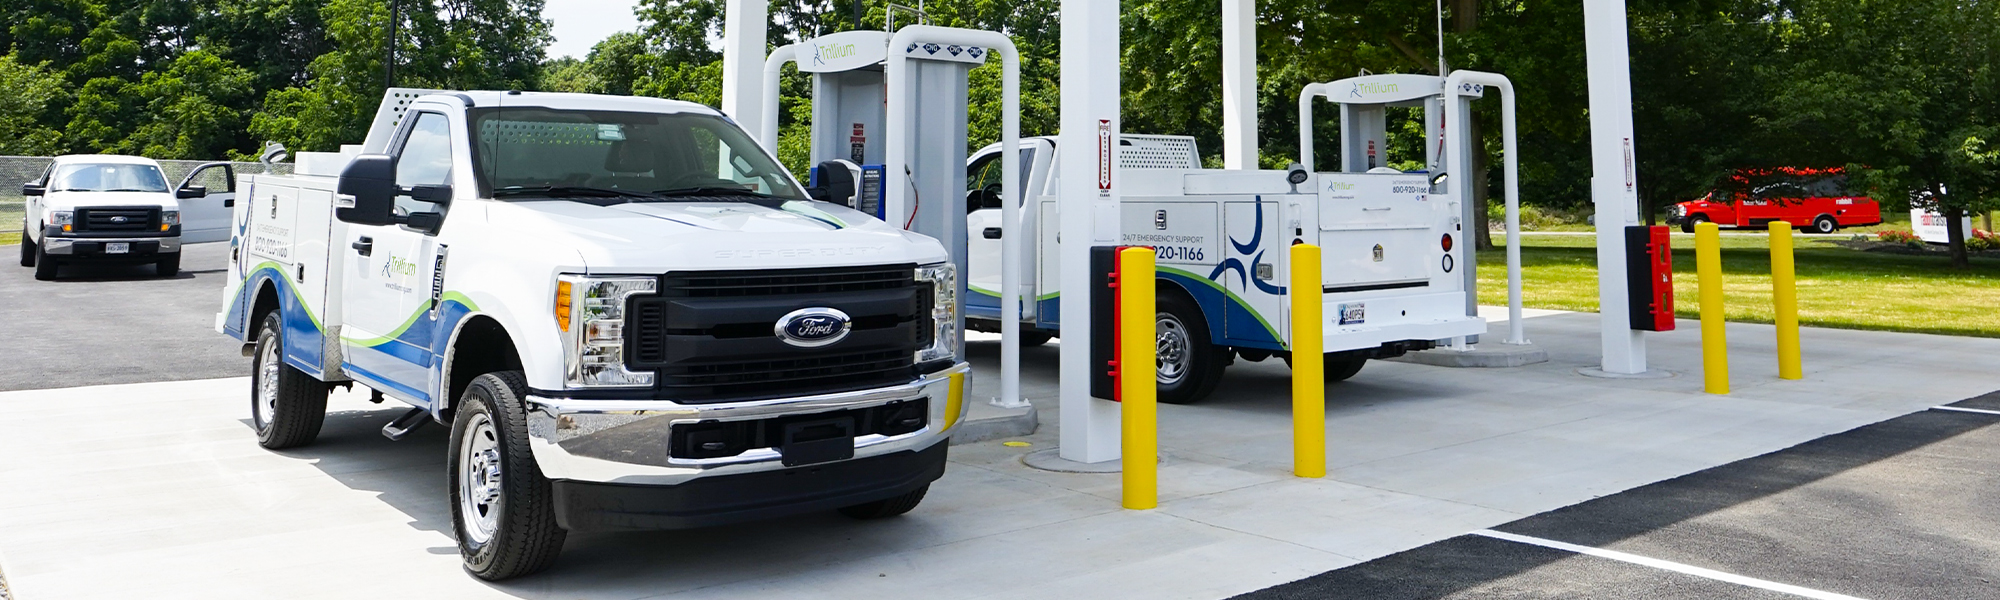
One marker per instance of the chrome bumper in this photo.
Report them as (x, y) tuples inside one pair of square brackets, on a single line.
[(65, 246), (625, 441)]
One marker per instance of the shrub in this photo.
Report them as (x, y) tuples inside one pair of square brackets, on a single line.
[(1897, 237)]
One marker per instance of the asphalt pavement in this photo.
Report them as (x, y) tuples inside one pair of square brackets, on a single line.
[(99, 324), (1905, 508)]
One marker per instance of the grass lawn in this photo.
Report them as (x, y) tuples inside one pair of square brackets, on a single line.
[(10, 225), (1837, 287)]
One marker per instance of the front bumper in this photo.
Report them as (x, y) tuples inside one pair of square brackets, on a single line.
[(627, 441), (1389, 319), (586, 506), (94, 247)]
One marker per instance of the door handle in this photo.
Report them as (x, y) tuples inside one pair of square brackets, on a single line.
[(365, 246), (991, 233)]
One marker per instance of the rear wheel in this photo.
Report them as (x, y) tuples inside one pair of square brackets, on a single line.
[(1030, 339), (503, 508), (287, 406), (1825, 224), (1189, 366), (1342, 365), (169, 266), (27, 248), (887, 507)]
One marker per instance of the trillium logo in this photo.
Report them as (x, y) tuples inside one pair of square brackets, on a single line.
[(813, 327)]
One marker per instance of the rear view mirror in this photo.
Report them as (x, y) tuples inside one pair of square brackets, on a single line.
[(191, 192), (29, 189), (833, 181), (367, 191), (427, 222)]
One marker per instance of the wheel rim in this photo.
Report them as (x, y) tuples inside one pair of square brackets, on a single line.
[(267, 384), (1825, 226), (479, 479), (1171, 349)]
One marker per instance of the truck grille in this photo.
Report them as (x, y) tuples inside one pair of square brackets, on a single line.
[(118, 219), (710, 335)]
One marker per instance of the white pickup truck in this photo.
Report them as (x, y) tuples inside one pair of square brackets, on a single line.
[(1391, 249), (117, 209), (629, 314)]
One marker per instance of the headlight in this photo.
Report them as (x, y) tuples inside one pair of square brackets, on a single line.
[(940, 341), (169, 218), (62, 218), (590, 312)]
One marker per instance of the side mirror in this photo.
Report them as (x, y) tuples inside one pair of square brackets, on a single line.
[(29, 189), (832, 181), (366, 194), (191, 192)]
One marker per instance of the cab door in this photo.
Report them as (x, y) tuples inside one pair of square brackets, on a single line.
[(984, 229), (205, 218), (387, 292)]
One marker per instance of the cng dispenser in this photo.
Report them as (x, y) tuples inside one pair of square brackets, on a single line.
[(1364, 102), (889, 139)]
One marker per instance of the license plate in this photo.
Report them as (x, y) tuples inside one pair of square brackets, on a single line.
[(1356, 313), (820, 441), (117, 247)]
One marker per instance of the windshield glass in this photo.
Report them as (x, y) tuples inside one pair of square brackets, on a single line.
[(107, 177), (643, 153)]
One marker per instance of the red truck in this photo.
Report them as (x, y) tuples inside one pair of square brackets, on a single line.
[(1815, 200)]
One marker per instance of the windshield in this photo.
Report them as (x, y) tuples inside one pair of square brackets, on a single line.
[(107, 177), (531, 148)]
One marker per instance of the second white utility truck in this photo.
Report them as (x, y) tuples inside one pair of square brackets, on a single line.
[(630, 316), (1393, 244)]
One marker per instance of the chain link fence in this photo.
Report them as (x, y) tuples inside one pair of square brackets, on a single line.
[(17, 170)]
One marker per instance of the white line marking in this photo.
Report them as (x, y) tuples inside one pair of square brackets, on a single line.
[(1970, 410), (1666, 565)]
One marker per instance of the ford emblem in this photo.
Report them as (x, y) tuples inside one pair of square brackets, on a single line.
[(813, 327), (118, 219)]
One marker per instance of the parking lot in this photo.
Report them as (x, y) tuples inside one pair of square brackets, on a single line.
[(148, 482)]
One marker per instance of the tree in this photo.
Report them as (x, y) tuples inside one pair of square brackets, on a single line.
[(26, 90), (196, 109)]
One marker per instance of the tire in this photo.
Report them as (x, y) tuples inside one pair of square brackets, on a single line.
[(287, 406), (887, 507), (1342, 365), (1688, 225), (27, 249), (169, 266), (508, 529), (1825, 224), (1189, 366), (1030, 339), (45, 267)]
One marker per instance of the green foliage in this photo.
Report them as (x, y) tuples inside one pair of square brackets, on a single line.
[(26, 90)]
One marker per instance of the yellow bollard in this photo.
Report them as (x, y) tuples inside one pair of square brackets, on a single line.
[(1138, 381), (1708, 270), (1308, 365), (1785, 298)]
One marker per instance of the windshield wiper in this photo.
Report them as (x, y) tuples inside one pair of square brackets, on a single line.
[(710, 190), (558, 191), (132, 190)]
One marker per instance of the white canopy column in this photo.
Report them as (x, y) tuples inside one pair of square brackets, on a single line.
[(1239, 84), (1614, 178), (743, 29), (1089, 204)]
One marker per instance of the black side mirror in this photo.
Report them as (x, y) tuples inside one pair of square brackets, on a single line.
[(366, 194), (192, 191), (832, 182), (29, 189)]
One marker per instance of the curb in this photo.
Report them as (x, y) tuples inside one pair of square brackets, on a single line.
[(980, 430)]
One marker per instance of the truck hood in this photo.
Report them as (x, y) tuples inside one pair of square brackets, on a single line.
[(73, 200), (654, 237)]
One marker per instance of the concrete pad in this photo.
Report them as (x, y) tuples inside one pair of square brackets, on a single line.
[(159, 490)]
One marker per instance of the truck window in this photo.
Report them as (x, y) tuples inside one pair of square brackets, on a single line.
[(532, 147), (984, 174), (425, 159)]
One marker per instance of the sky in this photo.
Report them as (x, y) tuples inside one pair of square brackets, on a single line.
[(580, 24)]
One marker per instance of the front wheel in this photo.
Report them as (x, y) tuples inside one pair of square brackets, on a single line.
[(887, 507), (1825, 224), (286, 405), (1189, 366), (45, 267), (503, 508), (169, 266), (1687, 226)]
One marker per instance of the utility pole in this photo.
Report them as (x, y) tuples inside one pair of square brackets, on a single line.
[(389, 64)]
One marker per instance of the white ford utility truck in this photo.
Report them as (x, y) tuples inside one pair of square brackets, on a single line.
[(630, 316), (116, 209)]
